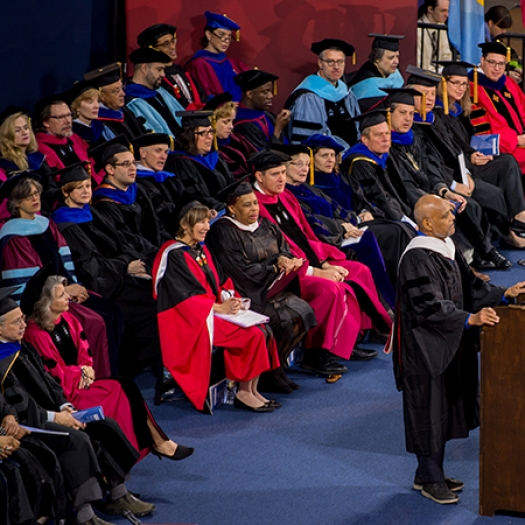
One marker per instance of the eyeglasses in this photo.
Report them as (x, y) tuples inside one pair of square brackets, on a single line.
[(332, 63), (168, 43), (31, 196), (496, 65), (16, 322), (223, 37), (300, 164), (205, 133), (61, 117), (458, 84), (125, 163)]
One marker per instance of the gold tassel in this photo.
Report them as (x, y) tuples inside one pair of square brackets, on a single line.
[(274, 88), (423, 109), (172, 143), (475, 85), (215, 143), (444, 94), (353, 59), (508, 54), (131, 149), (389, 119), (237, 35), (312, 168)]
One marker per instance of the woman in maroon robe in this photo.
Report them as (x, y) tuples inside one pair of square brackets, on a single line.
[(59, 338), (189, 298)]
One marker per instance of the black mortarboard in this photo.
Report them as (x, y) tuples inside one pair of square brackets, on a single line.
[(422, 77), (74, 173), (401, 95), (147, 55), (33, 288), (493, 47), (9, 184), (186, 208), (102, 153), (39, 107), (267, 159), (150, 139), (217, 101), (457, 68), (388, 42), (151, 34), (370, 118), (234, 190), (253, 78), (291, 149), (12, 110), (76, 90), (328, 43), (105, 75), (6, 302), (194, 119)]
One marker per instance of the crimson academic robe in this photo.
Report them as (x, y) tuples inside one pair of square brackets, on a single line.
[(186, 288), (500, 110), (120, 399), (341, 309)]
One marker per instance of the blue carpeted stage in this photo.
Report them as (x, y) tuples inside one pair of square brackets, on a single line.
[(333, 454)]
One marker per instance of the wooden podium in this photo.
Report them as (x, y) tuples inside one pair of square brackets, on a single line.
[(502, 431)]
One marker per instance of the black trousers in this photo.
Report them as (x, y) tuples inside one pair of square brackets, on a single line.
[(430, 468)]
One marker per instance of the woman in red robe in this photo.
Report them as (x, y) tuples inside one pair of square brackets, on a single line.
[(189, 295), (59, 338)]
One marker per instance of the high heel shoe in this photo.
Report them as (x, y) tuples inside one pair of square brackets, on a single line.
[(181, 452)]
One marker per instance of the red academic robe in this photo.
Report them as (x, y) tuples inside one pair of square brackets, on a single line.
[(502, 112), (188, 329), (19, 261), (340, 317), (80, 147)]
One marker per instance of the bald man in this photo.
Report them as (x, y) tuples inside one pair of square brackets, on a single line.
[(435, 338)]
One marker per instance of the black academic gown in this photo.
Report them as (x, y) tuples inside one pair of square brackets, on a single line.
[(31, 481), (105, 272), (248, 258), (128, 125), (100, 449), (435, 357), (177, 82), (371, 182), (199, 182), (503, 172)]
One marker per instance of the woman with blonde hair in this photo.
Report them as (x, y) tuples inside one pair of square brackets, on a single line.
[(18, 146)]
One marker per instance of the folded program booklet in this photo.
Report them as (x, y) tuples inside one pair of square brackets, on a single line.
[(89, 415), (245, 318), (486, 144)]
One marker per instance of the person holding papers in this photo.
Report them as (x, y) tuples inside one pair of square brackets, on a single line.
[(190, 298), (504, 198), (59, 338)]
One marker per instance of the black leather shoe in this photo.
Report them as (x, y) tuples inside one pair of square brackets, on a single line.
[(237, 403), (321, 362), (362, 354), (482, 264), (273, 403), (499, 261), (181, 452), (455, 485), (439, 493)]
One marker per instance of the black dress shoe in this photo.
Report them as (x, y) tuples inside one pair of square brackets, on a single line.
[(274, 383), (482, 264), (455, 485), (273, 403), (237, 403), (499, 261), (181, 452), (321, 362), (439, 493), (362, 354)]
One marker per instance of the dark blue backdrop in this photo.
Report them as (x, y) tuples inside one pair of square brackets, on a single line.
[(47, 45)]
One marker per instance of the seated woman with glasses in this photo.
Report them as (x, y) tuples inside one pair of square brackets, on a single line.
[(190, 296), (59, 338), (210, 66), (197, 165), (27, 241), (494, 181)]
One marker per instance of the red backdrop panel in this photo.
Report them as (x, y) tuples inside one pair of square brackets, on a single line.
[(276, 34)]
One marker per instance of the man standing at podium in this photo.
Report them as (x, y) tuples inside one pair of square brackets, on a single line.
[(435, 340)]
